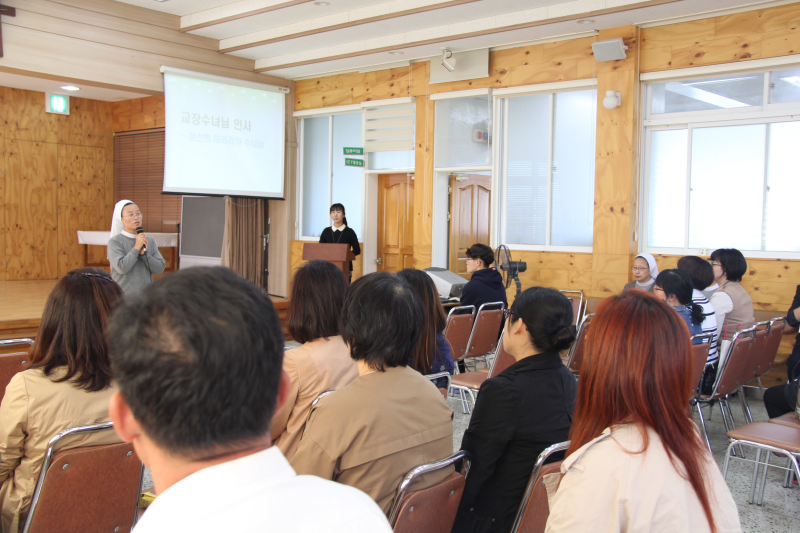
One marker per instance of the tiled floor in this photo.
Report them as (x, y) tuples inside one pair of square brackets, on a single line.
[(780, 512)]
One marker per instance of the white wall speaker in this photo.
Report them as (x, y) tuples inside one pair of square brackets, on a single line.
[(609, 49)]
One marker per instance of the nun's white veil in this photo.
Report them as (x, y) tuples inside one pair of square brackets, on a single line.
[(116, 218), (651, 262)]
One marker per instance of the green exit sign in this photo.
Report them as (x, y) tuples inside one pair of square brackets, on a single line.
[(353, 162), (57, 103), (348, 150)]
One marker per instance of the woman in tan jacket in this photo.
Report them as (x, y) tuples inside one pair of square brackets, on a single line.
[(636, 461), (390, 419), (323, 362), (69, 384)]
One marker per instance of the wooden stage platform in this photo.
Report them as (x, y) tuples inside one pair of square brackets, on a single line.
[(22, 304)]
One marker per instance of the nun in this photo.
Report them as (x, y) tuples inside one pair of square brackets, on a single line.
[(134, 258), (645, 271)]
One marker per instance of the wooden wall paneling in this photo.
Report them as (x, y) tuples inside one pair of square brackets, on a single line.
[(81, 201), (88, 124), (26, 120), (353, 88), (423, 183), (31, 219), (754, 34), (139, 114)]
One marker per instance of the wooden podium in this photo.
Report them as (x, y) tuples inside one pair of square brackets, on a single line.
[(338, 254)]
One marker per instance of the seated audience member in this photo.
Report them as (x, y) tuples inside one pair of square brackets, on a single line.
[(645, 271), (702, 275), (372, 432), (782, 399), (732, 305), (68, 384), (431, 355), (197, 356), (486, 284), (675, 287), (636, 460), (520, 412), (323, 362)]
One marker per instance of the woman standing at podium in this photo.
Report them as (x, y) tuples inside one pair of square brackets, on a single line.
[(339, 233)]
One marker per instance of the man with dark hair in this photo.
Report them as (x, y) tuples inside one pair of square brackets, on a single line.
[(197, 358), (372, 432), (486, 284)]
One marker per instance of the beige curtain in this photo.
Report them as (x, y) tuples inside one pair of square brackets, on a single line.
[(242, 244)]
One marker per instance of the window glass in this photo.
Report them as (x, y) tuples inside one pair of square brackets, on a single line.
[(316, 175), (572, 192), (784, 86), (462, 132), (721, 92), (347, 182), (727, 187), (667, 194), (526, 172), (389, 160), (783, 188)]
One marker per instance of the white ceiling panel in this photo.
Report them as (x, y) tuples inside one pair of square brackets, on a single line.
[(178, 7)]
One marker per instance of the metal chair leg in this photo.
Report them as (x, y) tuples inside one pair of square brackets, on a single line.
[(703, 425), (764, 478), (728, 451), (760, 386), (748, 416), (755, 476)]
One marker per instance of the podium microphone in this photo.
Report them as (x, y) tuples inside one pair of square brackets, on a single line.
[(139, 231)]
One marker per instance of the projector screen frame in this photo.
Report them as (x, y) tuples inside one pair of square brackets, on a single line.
[(284, 91)]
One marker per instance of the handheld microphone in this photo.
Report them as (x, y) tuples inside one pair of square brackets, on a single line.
[(139, 231)]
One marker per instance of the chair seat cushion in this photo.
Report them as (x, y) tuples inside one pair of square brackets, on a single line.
[(789, 419), (470, 380), (777, 435)]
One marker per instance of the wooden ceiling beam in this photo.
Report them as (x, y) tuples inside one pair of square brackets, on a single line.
[(252, 40)]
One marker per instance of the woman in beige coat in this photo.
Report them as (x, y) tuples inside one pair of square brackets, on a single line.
[(68, 384), (323, 362), (636, 461)]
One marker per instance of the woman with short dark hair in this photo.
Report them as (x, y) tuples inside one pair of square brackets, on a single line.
[(68, 384), (733, 307), (431, 355), (636, 460), (390, 419), (519, 412), (675, 287), (323, 362)]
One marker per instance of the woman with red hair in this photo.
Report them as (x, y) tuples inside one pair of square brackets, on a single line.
[(636, 461)]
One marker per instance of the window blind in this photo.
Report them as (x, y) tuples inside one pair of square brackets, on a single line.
[(139, 177)]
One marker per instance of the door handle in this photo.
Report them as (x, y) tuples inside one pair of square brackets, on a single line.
[(379, 261)]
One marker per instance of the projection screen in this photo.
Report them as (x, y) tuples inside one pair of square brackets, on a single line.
[(224, 137)]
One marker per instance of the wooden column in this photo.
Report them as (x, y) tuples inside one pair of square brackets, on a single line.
[(423, 174), (616, 170)]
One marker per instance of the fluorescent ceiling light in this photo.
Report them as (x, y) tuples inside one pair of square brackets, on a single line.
[(70, 88), (703, 96), (396, 53), (794, 80), (586, 21), (322, 3)]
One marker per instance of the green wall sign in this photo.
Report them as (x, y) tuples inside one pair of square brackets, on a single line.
[(353, 162), (353, 151)]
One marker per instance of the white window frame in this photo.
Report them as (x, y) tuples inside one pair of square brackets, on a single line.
[(329, 112), (764, 114), (499, 172)]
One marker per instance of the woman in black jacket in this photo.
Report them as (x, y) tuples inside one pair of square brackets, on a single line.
[(339, 233), (520, 412)]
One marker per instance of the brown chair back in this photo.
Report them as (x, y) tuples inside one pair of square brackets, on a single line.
[(578, 348), (758, 355), (502, 360), (88, 488), (483, 340), (534, 508), (458, 330), (576, 298), (10, 364), (777, 326), (433, 509), (737, 369), (699, 358), (591, 306)]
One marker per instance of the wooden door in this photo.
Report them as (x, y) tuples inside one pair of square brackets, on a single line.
[(30, 210), (470, 198), (395, 222)]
